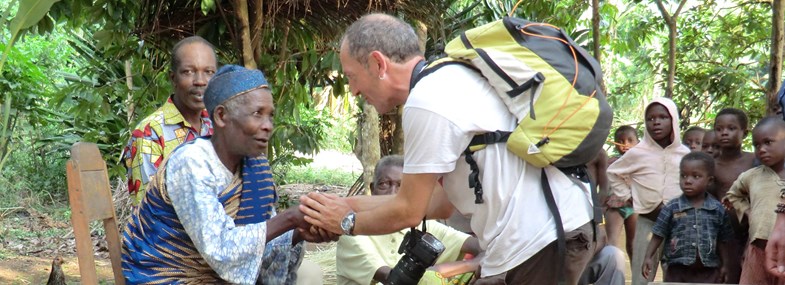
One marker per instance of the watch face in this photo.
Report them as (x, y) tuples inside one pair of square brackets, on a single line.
[(347, 223)]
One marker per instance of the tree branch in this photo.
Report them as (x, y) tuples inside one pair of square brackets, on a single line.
[(678, 10)]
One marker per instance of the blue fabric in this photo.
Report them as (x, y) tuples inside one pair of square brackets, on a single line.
[(231, 80), (688, 231), (258, 197), (157, 249)]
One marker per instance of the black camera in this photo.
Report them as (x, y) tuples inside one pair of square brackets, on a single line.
[(420, 251)]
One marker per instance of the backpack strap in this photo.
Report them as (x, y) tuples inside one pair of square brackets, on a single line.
[(424, 68), (561, 237), (580, 175), (416, 73), (477, 143)]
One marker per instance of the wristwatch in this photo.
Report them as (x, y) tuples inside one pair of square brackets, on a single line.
[(347, 224)]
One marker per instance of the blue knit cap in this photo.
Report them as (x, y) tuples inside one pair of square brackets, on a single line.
[(231, 80)]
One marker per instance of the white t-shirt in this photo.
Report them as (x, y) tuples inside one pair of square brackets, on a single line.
[(442, 114)]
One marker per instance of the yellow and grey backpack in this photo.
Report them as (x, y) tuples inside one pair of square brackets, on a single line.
[(549, 83), (546, 80)]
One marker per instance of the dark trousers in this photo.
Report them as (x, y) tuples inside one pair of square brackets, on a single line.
[(540, 268), (691, 274)]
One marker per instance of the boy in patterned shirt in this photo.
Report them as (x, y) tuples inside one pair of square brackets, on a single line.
[(695, 228)]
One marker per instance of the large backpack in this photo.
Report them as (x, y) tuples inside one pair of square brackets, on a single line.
[(547, 81), (551, 85)]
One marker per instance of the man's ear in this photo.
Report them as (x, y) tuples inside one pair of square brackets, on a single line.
[(220, 116), (377, 61)]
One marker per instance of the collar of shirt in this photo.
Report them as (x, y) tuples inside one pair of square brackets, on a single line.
[(685, 204), (173, 116)]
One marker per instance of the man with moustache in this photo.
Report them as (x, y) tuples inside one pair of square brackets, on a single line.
[(181, 119)]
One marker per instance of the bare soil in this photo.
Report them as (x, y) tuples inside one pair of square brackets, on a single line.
[(30, 240)]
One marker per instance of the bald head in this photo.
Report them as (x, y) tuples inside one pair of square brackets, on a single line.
[(391, 36)]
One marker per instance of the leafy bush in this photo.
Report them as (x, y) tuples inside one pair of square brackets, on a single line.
[(322, 176)]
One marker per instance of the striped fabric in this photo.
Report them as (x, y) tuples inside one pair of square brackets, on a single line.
[(258, 194), (156, 247)]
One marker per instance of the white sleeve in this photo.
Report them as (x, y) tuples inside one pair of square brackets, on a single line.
[(235, 253), (432, 143)]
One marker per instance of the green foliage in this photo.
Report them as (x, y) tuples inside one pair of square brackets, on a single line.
[(340, 136), (320, 176)]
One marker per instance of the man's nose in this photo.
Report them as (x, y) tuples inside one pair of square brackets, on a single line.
[(201, 79)]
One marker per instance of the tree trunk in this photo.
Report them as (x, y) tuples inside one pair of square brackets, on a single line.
[(241, 11), (369, 144), (671, 59), (129, 81), (775, 60), (670, 21), (258, 23), (595, 33)]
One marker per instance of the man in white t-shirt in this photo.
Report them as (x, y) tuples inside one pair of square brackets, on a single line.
[(442, 113)]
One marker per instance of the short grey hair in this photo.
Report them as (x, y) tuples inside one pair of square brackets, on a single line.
[(388, 161), (391, 36)]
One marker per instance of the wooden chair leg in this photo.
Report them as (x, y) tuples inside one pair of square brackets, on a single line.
[(84, 249), (84, 244), (114, 244)]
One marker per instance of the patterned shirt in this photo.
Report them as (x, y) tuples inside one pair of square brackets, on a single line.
[(188, 230), (688, 231), (152, 140)]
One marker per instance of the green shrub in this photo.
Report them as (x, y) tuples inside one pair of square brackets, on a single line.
[(322, 176)]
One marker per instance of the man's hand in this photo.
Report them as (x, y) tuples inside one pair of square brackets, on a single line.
[(775, 248), (324, 211), (316, 235)]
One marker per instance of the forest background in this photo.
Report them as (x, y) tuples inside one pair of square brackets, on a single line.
[(89, 70)]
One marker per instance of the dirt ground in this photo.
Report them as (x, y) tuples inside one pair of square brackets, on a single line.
[(30, 240)]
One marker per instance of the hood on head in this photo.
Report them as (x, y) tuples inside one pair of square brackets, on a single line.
[(673, 111)]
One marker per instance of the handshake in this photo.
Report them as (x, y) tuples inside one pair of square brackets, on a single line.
[(318, 217)]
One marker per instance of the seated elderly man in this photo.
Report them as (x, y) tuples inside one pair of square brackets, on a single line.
[(209, 215), (361, 260)]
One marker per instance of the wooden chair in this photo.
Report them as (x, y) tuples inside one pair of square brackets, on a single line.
[(91, 199)]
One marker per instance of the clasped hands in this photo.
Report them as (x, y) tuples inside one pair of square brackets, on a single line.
[(324, 211)]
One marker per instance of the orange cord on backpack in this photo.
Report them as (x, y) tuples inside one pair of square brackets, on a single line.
[(514, 8), (545, 130)]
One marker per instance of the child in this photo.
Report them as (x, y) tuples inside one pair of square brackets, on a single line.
[(730, 126), (693, 138), (624, 139), (756, 192), (710, 146), (619, 212), (691, 227), (648, 173)]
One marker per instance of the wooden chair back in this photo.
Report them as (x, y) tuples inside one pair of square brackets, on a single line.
[(90, 197)]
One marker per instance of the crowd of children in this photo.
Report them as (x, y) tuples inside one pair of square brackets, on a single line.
[(698, 203)]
